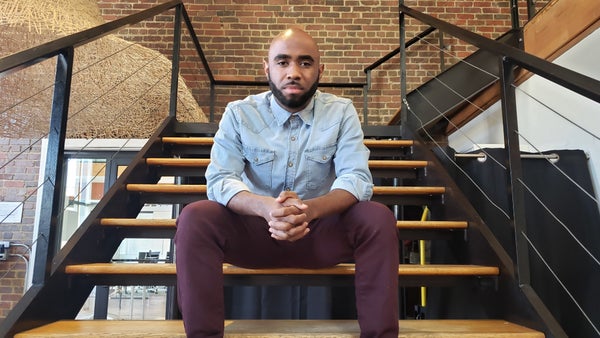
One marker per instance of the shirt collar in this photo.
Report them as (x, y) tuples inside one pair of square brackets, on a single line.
[(281, 115)]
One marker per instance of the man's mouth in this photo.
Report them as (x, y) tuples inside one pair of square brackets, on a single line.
[(292, 88)]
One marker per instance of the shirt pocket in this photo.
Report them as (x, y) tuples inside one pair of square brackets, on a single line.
[(259, 169), (320, 168)]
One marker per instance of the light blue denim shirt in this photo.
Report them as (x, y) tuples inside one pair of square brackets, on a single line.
[(264, 149)]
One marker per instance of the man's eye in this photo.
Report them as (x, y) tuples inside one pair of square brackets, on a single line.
[(282, 63), (306, 64)]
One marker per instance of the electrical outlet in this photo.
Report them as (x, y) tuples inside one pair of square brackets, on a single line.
[(4, 245)]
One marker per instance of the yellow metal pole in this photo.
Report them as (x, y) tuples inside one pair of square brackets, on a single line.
[(422, 257)]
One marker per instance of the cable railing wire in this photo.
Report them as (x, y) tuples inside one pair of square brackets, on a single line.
[(560, 170), (451, 160), (557, 113), (481, 110), (559, 221), (44, 136), (74, 74), (558, 280)]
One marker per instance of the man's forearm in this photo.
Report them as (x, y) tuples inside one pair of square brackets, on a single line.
[(247, 203), (335, 201)]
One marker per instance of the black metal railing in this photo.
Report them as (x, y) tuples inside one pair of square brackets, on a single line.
[(63, 49), (509, 59)]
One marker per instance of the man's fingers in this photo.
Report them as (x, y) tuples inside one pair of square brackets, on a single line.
[(286, 211), (291, 234)]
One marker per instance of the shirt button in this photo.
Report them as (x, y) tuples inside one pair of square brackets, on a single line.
[(293, 138), (324, 157), (290, 164), (287, 189)]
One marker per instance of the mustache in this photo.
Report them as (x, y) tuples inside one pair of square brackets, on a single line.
[(291, 83)]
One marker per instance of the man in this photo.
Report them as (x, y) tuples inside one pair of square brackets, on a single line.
[(288, 186)]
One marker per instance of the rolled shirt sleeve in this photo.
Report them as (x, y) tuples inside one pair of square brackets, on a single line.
[(223, 175), (352, 158)]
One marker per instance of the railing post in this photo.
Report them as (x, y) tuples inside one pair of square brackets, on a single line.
[(366, 88), (175, 61), (403, 86), (514, 6), (515, 173), (442, 56), (47, 242), (212, 102), (531, 10)]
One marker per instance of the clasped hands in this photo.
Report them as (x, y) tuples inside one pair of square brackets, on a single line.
[(288, 219)]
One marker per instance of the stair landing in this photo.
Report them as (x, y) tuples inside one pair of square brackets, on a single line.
[(280, 328)]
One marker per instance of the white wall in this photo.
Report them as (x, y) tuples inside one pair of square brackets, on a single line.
[(541, 126)]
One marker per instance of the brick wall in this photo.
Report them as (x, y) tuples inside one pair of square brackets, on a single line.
[(352, 34), (19, 170)]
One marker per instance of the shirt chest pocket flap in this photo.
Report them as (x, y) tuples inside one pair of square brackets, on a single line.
[(260, 165)]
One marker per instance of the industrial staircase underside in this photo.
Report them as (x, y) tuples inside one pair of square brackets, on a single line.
[(183, 151)]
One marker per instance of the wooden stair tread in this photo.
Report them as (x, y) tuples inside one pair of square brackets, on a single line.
[(135, 222), (200, 188), (341, 269), (208, 141), (178, 162), (203, 162), (429, 328)]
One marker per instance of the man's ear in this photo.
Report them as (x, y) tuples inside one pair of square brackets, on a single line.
[(321, 70), (266, 67)]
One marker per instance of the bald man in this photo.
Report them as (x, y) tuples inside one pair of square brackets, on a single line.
[(288, 186)]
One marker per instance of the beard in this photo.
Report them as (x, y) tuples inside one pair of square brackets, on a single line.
[(295, 101)]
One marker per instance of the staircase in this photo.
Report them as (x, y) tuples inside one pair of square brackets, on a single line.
[(183, 151)]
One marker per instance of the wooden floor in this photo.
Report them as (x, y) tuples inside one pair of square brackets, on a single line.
[(280, 329)]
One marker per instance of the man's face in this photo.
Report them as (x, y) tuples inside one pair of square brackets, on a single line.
[(293, 70)]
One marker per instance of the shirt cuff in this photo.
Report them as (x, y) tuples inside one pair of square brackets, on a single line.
[(225, 190), (362, 191)]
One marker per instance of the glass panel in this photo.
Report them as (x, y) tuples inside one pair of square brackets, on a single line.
[(84, 187)]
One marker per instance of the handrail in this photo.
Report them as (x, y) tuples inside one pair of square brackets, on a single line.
[(396, 51)]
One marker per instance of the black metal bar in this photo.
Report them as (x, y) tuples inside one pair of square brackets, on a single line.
[(175, 60), (194, 37), (48, 243), (531, 11), (514, 14), (101, 302), (265, 83), (366, 100), (403, 81), (442, 47), (515, 172), (567, 78), (396, 51), (212, 103), (50, 49)]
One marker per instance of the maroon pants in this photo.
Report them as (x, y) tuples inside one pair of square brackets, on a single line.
[(209, 234)]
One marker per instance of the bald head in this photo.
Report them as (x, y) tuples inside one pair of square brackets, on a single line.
[(296, 38)]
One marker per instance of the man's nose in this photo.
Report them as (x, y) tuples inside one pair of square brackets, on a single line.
[(293, 72)]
